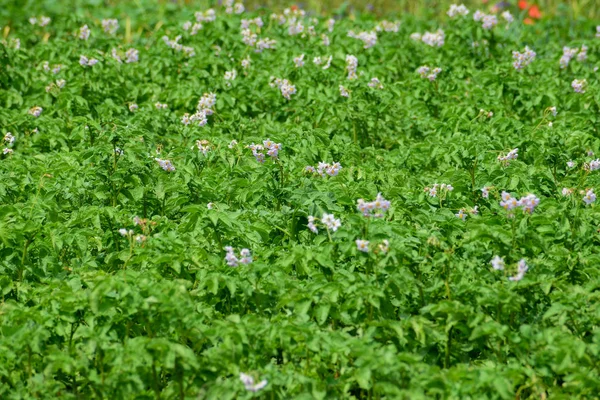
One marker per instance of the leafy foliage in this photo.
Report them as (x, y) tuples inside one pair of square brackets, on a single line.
[(88, 311)]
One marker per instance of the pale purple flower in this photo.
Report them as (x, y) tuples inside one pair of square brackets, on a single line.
[(110, 26), (84, 32), (589, 197), (579, 85)]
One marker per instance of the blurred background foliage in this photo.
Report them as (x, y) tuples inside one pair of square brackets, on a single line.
[(435, 8)]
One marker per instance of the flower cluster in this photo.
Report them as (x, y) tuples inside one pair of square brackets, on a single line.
[(437, 188), (521, 60), (203, 146), (207, 16), (41, 21), (589, 196), (263, 44), (351, 66), (193, 28), (230, 75), (160, 106), (285, 86), (593, 165), (84, 32), (457, 10), (9, 139), (60, 83), (319, 61), (328, 220), (511, 155), (299, 61), (369, 39), (363, 245), (167, 165), (388, 26), (35, 111), (375, 83), (175, 45), (498, 264), (569, 53), (131, 56), (527, 203), (508, 17), (488, 21), (521, 269), (87, 62), (110, 26), (231, 8), (249, 384), (324, 168), (463, 212), (579, 85), (429, 73), (344, 92), (433, 39), (375, 208), (233, 261), (55, 68), (271, 147), (207, 102)]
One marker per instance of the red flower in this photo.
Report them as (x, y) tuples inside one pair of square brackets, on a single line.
[(534, 12), (523, 4), (528, 21)]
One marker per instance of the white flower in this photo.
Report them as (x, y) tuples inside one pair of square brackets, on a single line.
[(362, 245), (512, 155), (521, 269), (299, 61), (36, 111), (133, 107), (375, 83), (571, 164), (330, 222), (8, 137), (485, 192), (497, 263), (209, 206), (230, 75), (508, 17), (457, 10), (461, 214), (384, 246), (249, 384), (344, 92)]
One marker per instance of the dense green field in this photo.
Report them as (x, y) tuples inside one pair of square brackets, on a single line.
[(224, 204)]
